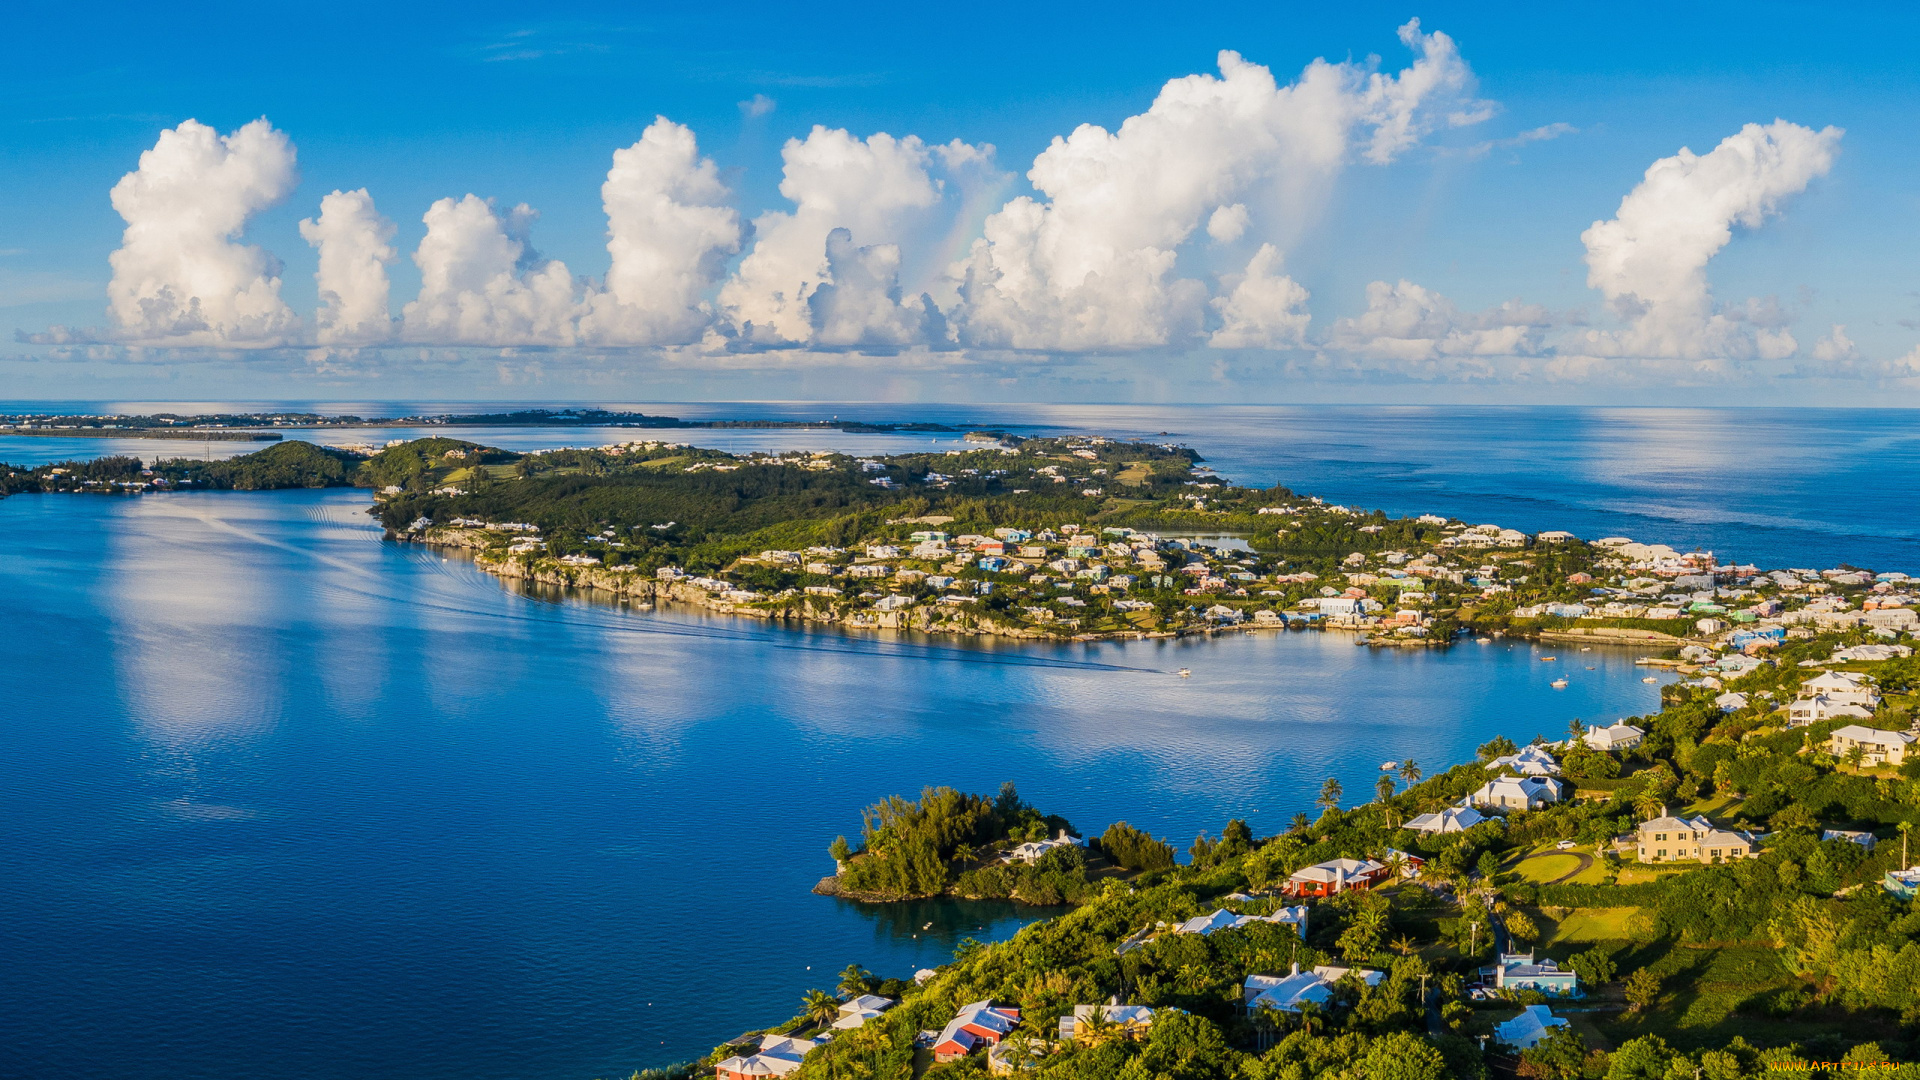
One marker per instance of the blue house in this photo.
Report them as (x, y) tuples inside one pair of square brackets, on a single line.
[(1518, 971)]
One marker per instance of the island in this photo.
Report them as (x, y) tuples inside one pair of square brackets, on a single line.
[(1724, 888)]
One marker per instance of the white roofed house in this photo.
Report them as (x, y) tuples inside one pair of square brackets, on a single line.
[(1451, 820), (1335, 876), (777, 1055), (1842, 688), (1223, 919), (1876, 747), (1529, 761), (1619, 736), (1525, 1031), (1287, 992), (861, 1009), (1519, 792), (1032, 850)]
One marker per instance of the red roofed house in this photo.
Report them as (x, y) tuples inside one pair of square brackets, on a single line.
[(979, 1024), (1335, 876)]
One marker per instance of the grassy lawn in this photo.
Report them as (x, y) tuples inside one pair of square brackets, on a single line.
[(1583, 925), (1634, 873), (1541, 869)]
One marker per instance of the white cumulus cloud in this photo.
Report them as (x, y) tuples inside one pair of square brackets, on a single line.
[(878, 189), (1265, 310), (1089, 265), (354, 242), (669, 232), (1409, 323), (181, 276), (481, 282), (1650, 260)]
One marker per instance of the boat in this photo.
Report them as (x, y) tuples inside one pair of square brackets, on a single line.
[(1184, 673), (1484, 640), (1558, 684), (1586, 648), (1548, 659), (1589, 667), (1650, 678), (1389, 766)]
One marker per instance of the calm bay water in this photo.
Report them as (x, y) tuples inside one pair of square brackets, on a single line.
[(278, 796)]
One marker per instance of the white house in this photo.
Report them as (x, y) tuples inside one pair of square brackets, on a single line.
[(1842, 687), (1523, 1032), (1223, 919), (777, 1055), (1529, 761), (861, 1009), (1519, 792), (1286, 992), (1876, 746), (1031, 851), (1619, 736), (1811, 710), (1451, 820)]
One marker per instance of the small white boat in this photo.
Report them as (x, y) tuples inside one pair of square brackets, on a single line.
[(1586, 648), (1484, 640), (1389, 766), (1184, 673), (1649, 679), (1558, 684)]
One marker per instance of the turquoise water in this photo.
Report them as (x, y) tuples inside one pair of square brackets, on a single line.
[(279, 797)]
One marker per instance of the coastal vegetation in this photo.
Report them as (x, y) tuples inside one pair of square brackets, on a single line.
[(1727, 968), (948, 841)]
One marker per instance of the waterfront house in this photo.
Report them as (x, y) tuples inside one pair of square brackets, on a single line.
[(1877, 747), (857, 1012), (979, 1024), (1128, 1022), (777, 1055), (1287, 992), (1032, 850), (1335, 876), (1518, 792), (1525, 1031), (1451, 820), (1672, 839), (1619, 736), (1519, 971)]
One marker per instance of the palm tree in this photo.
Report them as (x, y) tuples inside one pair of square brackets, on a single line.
[(820, 1006), (1301, 823), (1405, 946), (1383, 787), (1905, 827), (1330, 793), (855, 980), (1311, 1017), (1648, 804), (1410, 772), (1094, 1028)]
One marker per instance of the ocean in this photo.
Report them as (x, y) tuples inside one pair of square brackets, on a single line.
[(278, 795)]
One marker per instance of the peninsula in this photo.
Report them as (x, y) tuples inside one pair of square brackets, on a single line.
[(1724, 888), (1078, 538)]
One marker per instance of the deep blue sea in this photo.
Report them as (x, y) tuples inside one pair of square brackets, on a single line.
[(277, 796)]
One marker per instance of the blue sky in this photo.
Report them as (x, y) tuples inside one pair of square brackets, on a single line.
[(1551, 118)]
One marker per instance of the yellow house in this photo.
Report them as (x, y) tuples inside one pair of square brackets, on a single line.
[(1668, 839)]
